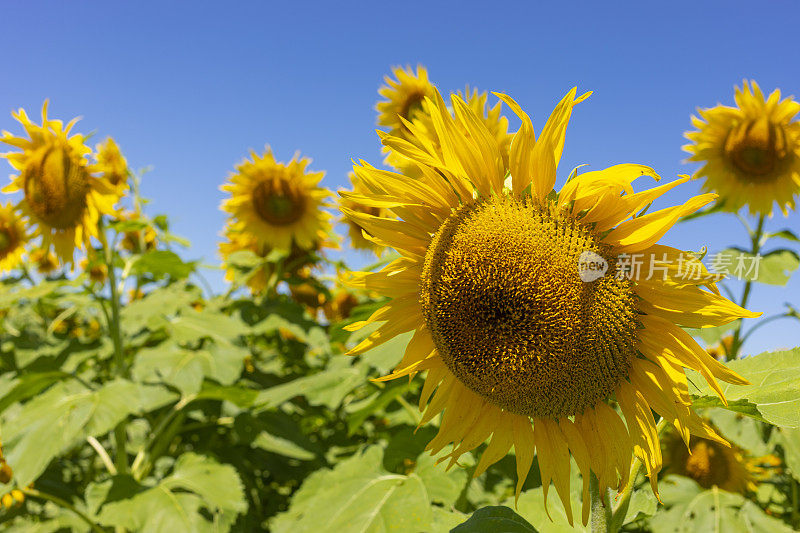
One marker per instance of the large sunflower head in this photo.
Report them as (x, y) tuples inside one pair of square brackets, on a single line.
[(710, 463), (112, 165), (530, 324), (278, 204), (404, 94), (12, 238), (751, 152), (62, 198)]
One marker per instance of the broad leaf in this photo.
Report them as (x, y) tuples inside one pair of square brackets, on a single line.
[(357, 496), (773, 395)]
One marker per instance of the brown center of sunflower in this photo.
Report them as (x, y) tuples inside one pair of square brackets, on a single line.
[(56, 187), (756, 148), (511, 317), (278, 203), (8, 240), (707, 463), (412, 105)]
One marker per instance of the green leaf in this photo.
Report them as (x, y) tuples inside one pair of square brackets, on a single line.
[(191, 325), (495, 519), (773, 395), (161, 263), (186, 369), (165, 507), (326, 388), (357, 496), (689, 508), (382, 399), (67, 413), (789, 439), (29, 385), (773, 268), (237, 395), (785, 234), (443, 486), (156, 307)]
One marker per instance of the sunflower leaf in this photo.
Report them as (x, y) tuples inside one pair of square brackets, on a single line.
[(773, 395), (495, 518)]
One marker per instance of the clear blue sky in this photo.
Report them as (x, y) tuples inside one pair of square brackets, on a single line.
[(189, 87)]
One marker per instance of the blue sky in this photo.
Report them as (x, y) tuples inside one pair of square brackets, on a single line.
[(189, 88)]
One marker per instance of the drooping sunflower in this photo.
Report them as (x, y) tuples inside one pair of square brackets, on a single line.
[(751, 152), (277, 204), (516, 345), (710, 464), (404, 95), (112, 165), (62, 199), (12, 238), (354, 231)]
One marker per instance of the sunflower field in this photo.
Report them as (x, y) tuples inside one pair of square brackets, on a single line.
[(453, 343)]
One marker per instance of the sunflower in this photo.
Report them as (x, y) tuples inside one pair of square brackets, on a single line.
[(277, 204), (112, 165), (516, 345), (404, 95), (751, 153), (424, 133), (354, 231), (62, 198), (44, 260), (293, 263), (12, 239), (711, 464), (236, 242)]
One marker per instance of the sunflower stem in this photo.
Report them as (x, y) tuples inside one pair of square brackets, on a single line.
[(120, 431), (33, 493), (755, 247), (601, 511)]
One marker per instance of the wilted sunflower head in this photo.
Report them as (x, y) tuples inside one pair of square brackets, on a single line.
[(278, 204), (12, 238), (404, 96), (62, 198), (526, 317), (710, 463), (111, 165), (751, 152)]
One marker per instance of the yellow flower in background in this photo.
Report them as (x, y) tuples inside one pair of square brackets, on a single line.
[(15, 498), (112, 166), (506, 325), (403, 95), (354, 231), (711, 464), (137, 240), (236, 242), (751, 153), (62, 199), (12, 239), (422, 133), (44, 260), (277, 204)]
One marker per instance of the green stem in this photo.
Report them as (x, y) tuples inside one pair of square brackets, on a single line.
[(755, 246), (120, 369), (65, 504), (601, 512)]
